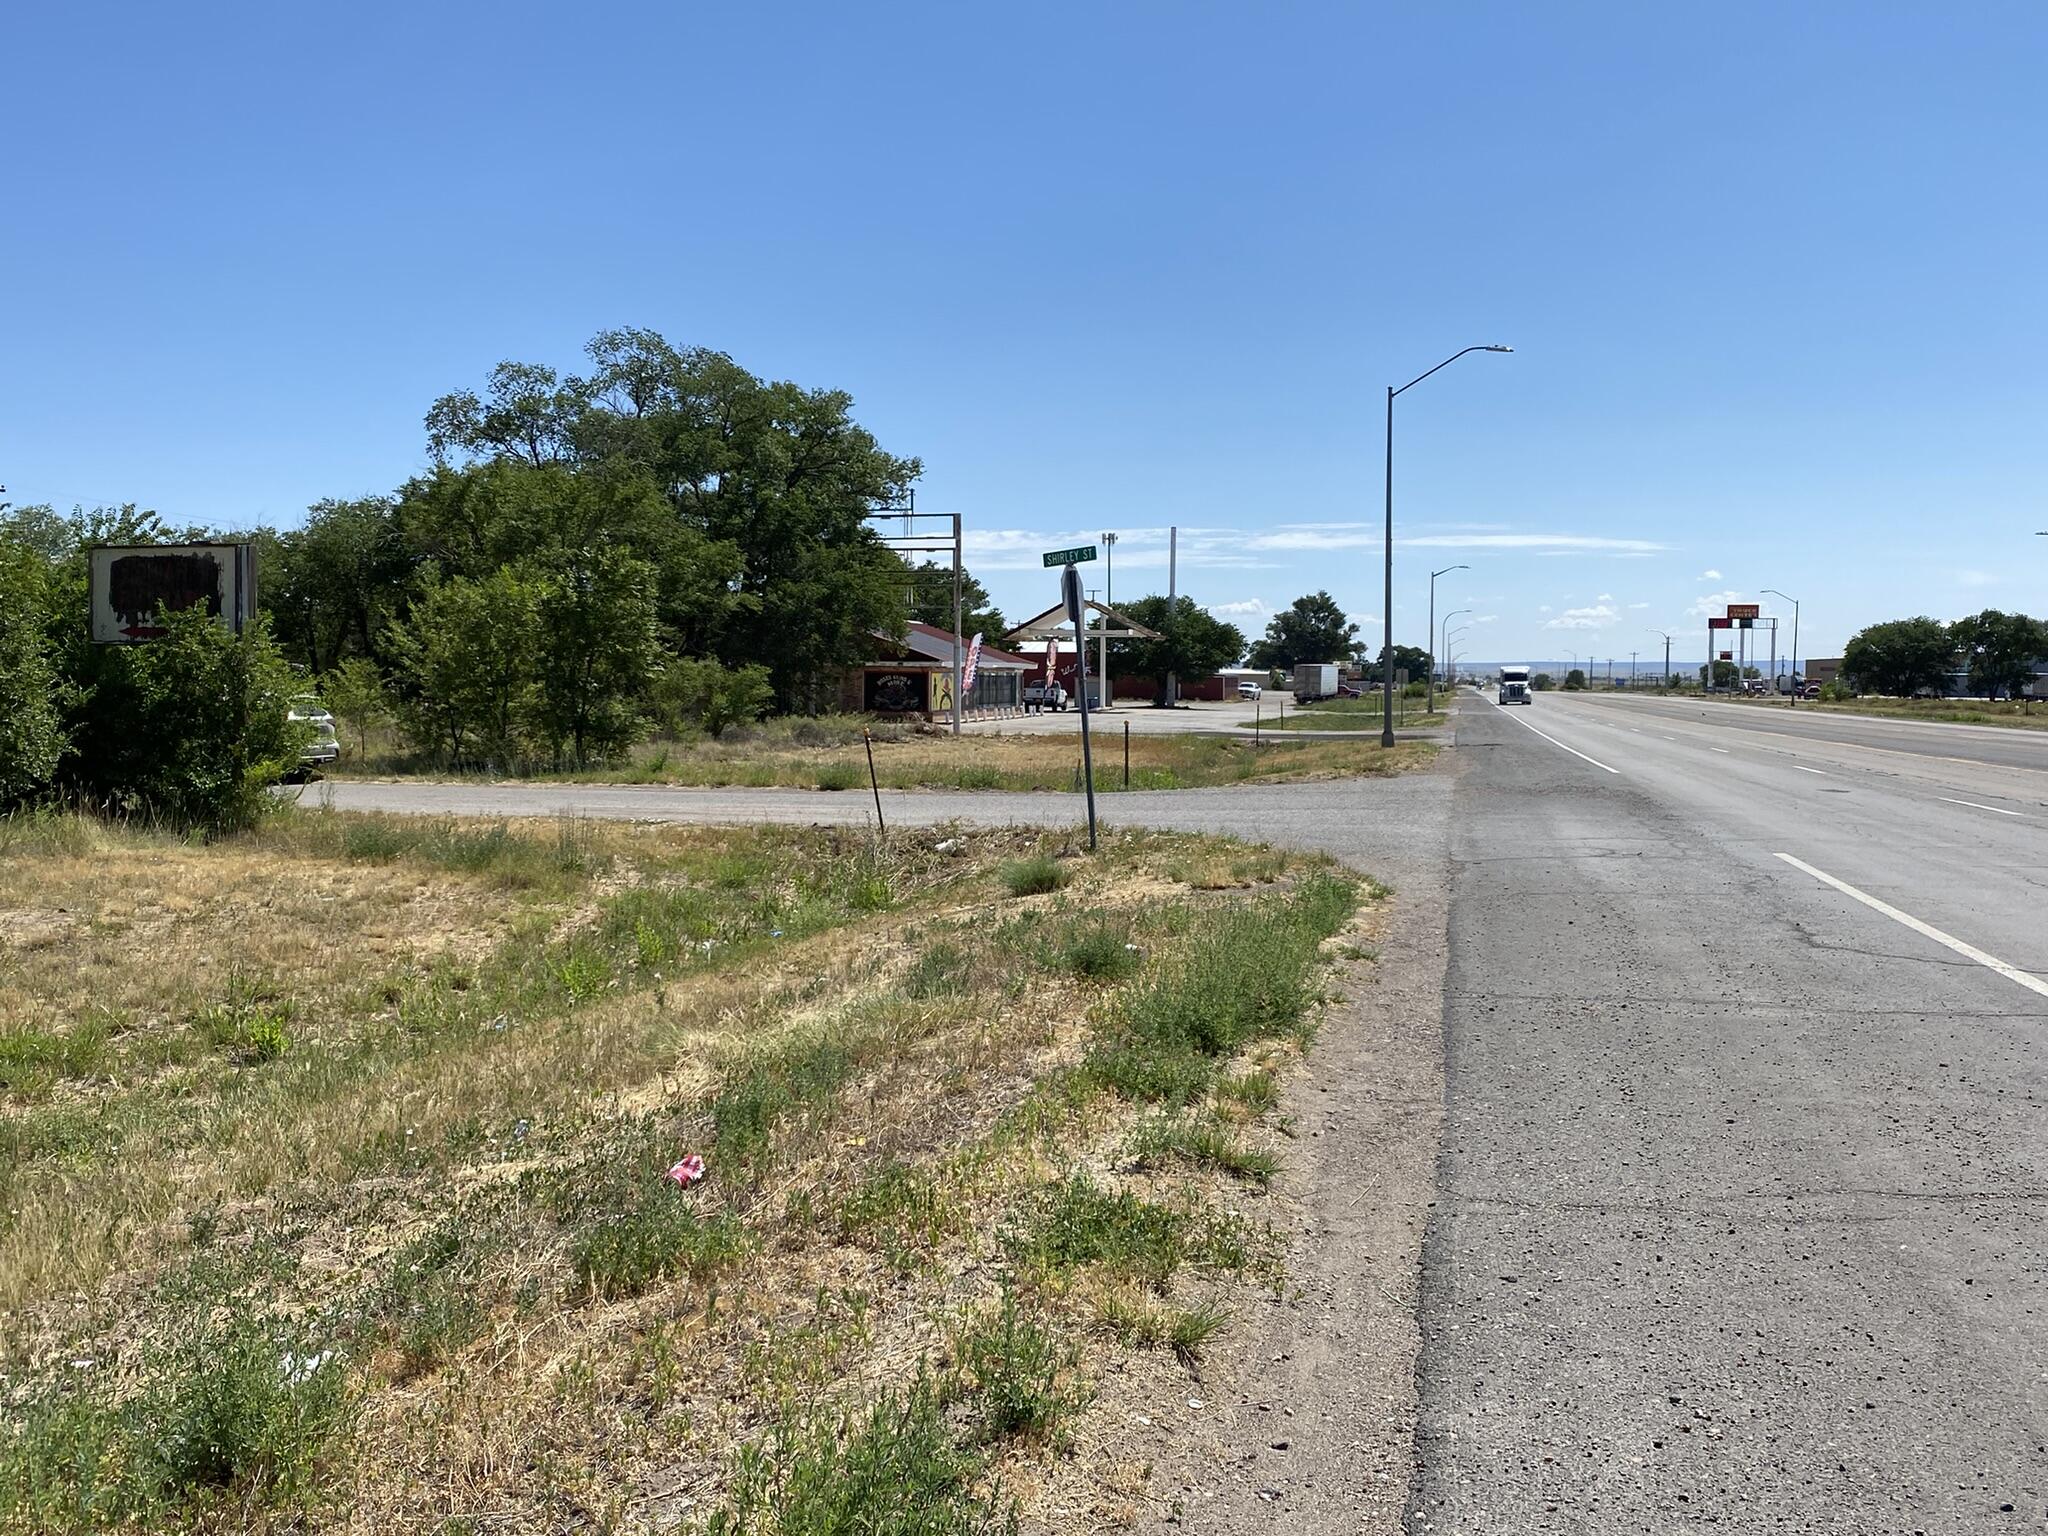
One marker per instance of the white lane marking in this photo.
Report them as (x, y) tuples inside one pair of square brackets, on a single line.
[(1722, 750), (1809, 770), (1671, 738), (1973, 805), (1926, 930), (1575, 752)]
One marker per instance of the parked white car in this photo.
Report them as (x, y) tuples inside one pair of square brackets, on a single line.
[(324, 746), (1249, 690)]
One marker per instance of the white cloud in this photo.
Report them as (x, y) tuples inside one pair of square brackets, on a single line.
[(1600, 617), (1020, 549), (1710, 575), (1247, 608), (1545, 608), (1713, 604), (1561, 542), (1604, 597)]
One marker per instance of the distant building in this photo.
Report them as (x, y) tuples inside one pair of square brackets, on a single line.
[(914, 676)]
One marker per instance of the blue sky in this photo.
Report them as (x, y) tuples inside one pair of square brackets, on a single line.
[(1773, 275)]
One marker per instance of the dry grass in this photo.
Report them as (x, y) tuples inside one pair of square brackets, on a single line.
[(1024, 761), (342, 1173)]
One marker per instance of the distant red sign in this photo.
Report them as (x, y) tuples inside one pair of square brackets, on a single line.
[(1719, 623), (1745, 610), (1727, 655)]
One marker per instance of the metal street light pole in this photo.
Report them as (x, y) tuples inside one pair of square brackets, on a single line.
[(1774, 592), (1429, 705), (1667, 656), (1387, 644), (1444, 643)]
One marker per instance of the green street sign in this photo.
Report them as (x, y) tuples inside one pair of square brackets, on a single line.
[(1070, 556)]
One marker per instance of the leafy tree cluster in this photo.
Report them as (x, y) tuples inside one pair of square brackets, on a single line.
[(1310, 629), (1995, 651), (190, 730), (1412, 659), (1193, 643), (577, 534)]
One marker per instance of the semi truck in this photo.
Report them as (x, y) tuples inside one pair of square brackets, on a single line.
[(1514, 685), (1314, 680)]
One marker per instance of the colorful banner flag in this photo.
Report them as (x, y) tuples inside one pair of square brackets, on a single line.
[(973, 665)]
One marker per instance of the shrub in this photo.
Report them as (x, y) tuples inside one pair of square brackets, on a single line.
[(189, 729), (31, 728), (1035, 876), (1204, 1142), (693, 695)]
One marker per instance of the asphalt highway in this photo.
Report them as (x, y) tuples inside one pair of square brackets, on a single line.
[(1745, 1165)]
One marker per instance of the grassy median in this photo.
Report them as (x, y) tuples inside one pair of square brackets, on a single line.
[(346, 1168), (2019, 714)]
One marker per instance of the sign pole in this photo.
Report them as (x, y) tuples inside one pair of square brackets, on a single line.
[(1070, 588)]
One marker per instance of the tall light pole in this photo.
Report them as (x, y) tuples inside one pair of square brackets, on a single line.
[(1666, 684), (1429, 705), (1387, 644), (1774, 592), (1445, 642)]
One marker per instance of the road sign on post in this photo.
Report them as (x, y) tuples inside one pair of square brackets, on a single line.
[(1745, 610), (1070, 590), (1055, 557)]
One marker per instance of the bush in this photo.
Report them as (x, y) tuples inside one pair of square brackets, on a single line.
[(693, 695), (31, 730), (190, 729)]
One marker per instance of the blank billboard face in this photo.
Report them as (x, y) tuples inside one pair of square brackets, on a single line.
[(134, 587)]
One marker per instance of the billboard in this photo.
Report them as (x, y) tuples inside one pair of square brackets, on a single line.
[(132, 586), (1745, 610)]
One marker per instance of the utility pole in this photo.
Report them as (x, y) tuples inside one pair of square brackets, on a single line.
[(1172, 604), (958, 659), (1436, 660), (1108, 601), (1101, 653)]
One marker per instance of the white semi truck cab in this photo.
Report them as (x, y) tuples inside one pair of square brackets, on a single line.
[(1514, 685)]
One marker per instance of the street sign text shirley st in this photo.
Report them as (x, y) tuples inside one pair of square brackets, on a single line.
[(1069, 556)]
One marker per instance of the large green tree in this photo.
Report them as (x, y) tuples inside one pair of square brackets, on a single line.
[(931, 602), (1412, 659), (464, 657), (1311, 628), (2000, 650), (780, 475), (1901, 657), (599, 652), (1194, 644)]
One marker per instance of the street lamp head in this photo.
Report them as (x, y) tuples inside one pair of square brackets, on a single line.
[(1497, 347)]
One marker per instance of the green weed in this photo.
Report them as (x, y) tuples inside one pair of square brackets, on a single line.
[(1016, 1369), (1036, 876), (656, 1239), (1204, 1142), (892, 1470)]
